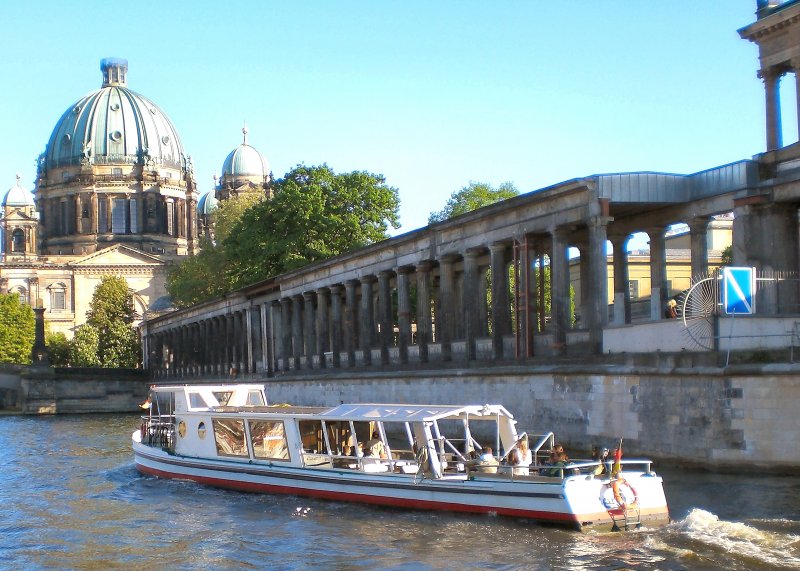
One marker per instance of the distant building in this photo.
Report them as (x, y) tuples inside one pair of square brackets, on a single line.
[(115, 195)]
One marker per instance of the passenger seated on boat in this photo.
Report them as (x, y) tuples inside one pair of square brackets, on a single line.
[(601, 456), (375, 447), (557, 463), (486, 462)]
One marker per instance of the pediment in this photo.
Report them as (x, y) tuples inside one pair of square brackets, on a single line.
[(17, 215), (119, 255)]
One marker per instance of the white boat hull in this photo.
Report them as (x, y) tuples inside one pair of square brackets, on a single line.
[(572, 502)]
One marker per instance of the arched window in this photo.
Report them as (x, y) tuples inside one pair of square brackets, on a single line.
[(23, 294), (58, 297), (18, 241)]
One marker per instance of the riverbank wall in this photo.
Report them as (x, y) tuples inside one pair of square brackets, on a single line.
[(76, 390), (734, 418), (741, 417)]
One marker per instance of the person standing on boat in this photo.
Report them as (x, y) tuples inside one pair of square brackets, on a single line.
[(520, 457)]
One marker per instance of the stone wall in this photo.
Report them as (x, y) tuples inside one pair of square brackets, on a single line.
[(69, 391), (741, 417)]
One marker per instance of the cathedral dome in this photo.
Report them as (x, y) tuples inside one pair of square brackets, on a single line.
[(207, 203), (17, 196), (245, 161), (114, 125)]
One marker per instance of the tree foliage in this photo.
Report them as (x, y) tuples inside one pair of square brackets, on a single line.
[(473, 196), (110, 318), (58, 348), (83, 348), (17, 330), (314, 214)]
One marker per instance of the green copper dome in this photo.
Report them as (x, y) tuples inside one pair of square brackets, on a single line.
[(245, 160), (114, 125)]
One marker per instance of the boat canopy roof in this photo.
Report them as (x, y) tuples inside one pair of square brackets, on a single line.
[(414, 412)]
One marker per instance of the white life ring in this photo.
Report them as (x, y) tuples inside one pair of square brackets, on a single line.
[(618, 494)]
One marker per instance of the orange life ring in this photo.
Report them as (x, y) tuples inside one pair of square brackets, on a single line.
[(620, 497)]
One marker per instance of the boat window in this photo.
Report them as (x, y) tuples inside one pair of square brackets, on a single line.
[(255, 398), (222, 397), (311, 434), (196, 401), (229, 437), (269, 439)]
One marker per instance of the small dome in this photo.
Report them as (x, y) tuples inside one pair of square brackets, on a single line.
[(18, 196), (244, 160), (207, 203), (114, 125)]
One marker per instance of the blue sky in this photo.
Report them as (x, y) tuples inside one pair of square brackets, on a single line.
[(430, 94)]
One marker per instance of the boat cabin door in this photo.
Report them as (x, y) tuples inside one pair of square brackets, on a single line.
[(429, 459)]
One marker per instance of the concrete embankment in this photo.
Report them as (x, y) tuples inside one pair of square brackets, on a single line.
[(740, 417)]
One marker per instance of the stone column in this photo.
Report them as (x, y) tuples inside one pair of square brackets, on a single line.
[(445, 321), (526, 289), (470, 309), (385, 314), (559, 288), (336, 325), (286, 332), (367, 318), (658, 272), (597, 293), (501, 311), (403, 313), (93, 212), (276, 323), (78, 211), (323, 324), (584, 271), (622, 293), (771, 78), (698, 235), (297, 329), (249, 344), (266, 339), (765, 236), (310, 333), (423, 309), (351, 334)]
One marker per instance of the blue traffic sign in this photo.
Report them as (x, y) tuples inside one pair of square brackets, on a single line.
[(739, 287)]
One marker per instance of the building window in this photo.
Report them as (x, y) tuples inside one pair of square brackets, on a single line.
[(102, 216), (633, 289), (23, 295), (18, 241), (118, 216), (229, 437), (268, 439), (171, 218), (116, 171), (134, 221), (58, 297)]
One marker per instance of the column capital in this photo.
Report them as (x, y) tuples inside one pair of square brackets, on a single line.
[(772, 73), (474, 252), (424, 266), (368, 279), (351, 284), (596, 221), (699, 223), (562, 232), (405, 270), (500, 245), (616, 239), (447, 258), (309, 295), (335, 289), (385, 274)]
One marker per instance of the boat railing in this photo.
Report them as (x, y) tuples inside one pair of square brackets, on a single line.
[(580, 467), (159, 430)]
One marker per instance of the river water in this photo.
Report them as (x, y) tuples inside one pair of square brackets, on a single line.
[(70, 498)]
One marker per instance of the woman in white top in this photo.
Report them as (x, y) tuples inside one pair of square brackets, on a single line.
[(521, 458)]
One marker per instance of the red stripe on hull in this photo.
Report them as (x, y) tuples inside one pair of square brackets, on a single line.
[(552, 517)]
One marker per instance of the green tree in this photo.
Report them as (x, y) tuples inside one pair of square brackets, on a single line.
[(727, 256), (17, 330), (58, 348), (83, 347), (200, 277), (111, 315), (471, 197), (315, 214)]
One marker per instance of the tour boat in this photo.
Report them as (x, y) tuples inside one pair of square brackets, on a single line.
[(404, 455)]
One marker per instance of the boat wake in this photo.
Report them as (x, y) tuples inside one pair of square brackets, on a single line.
[(706, 536)]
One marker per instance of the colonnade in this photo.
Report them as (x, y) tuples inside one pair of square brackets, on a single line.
[(482, 303)]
